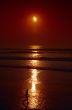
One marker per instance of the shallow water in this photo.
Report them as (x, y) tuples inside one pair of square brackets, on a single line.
[(49, 82)]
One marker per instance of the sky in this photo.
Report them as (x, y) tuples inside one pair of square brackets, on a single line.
[(53, 28)]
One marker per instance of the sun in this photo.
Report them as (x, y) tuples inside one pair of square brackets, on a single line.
[(34, 18)]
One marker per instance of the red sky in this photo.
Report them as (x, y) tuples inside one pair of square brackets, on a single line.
[(53, 30)]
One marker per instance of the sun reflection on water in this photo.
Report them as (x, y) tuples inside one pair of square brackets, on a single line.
[(35, 55), (35, 46), (34, 62)]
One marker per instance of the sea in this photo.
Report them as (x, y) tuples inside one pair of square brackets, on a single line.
[(35, 78)]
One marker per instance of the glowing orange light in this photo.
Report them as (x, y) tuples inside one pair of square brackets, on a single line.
[(34, 18)]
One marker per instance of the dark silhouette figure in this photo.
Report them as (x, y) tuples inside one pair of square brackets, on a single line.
[(27, 96)]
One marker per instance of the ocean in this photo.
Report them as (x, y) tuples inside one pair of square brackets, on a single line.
[(35, 78)]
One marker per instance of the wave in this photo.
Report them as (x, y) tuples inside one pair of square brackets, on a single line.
[(8, 50), (35, 67), (31, 58)]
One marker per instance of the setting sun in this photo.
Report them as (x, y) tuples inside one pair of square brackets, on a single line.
[(34, 18)]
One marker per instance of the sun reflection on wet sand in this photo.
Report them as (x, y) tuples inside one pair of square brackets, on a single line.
[(34, 79), (33, 93)]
